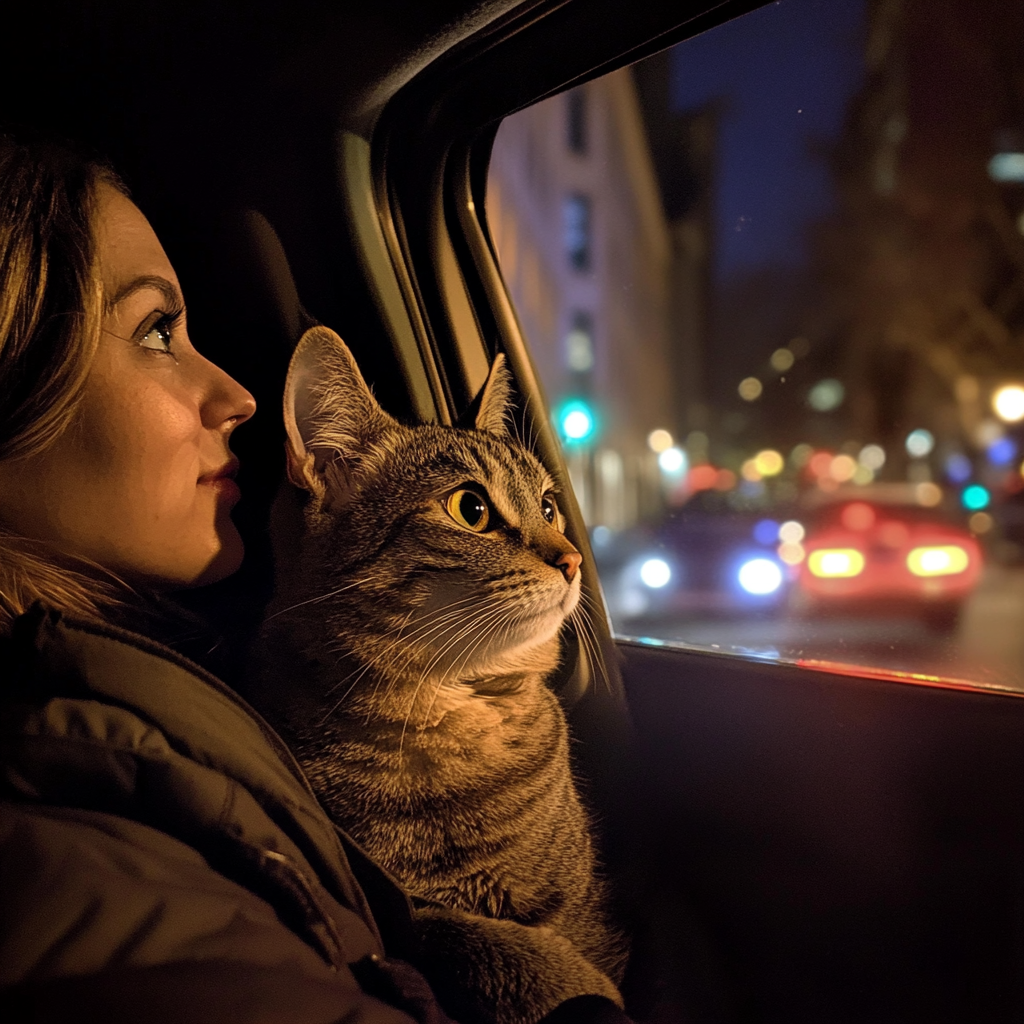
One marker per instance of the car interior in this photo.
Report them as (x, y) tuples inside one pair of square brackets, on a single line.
[(787, 843)]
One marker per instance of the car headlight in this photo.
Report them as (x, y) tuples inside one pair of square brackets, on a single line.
[(655, 573), (938, 561), (833, 563), (760, 576)]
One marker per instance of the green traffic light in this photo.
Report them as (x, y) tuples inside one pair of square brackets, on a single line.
[(577, 422)]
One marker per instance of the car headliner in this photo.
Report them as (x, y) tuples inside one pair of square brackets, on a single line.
[(223, 58)]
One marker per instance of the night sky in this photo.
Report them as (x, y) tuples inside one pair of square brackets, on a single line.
[(783, 74)]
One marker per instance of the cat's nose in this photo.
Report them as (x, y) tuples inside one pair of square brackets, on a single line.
[(569, 562)]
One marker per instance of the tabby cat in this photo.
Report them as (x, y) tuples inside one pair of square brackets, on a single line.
[(405, 660)]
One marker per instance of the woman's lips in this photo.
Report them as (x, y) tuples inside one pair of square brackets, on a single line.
[(223, 482)]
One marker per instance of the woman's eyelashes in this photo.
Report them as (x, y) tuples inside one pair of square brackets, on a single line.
[(157, 337)]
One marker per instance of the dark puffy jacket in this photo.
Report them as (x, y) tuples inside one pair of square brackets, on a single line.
[(162, 857)]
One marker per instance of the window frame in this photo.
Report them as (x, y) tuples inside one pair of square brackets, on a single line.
[(429, 156)]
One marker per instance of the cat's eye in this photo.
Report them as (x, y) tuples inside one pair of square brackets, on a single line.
[(548, 508), (468, 509)]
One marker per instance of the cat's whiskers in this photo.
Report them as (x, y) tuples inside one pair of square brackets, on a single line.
[(481, 621), (432, 623), (362, 670), (346, 647), (588, 635), (442, 682), (438, 624), (321, 597)]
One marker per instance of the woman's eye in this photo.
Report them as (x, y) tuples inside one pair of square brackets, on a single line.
[(468, 509), (157, 338), (548, 508)]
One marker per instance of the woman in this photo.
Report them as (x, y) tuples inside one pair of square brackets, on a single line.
[(161, 855)]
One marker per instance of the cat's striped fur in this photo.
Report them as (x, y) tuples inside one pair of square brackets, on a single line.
[(405, 660)]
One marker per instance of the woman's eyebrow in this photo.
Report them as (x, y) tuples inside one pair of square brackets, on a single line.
[(170, 292)]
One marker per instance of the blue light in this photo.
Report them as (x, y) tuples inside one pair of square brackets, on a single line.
[(766, 531), (975, 497), (760, 576), (958, 468), (1002, 451)]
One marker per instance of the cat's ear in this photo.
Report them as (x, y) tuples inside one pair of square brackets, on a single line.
[(330, 417), (496, 398)]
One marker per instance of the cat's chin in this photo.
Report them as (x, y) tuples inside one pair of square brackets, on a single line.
[(532, 647)]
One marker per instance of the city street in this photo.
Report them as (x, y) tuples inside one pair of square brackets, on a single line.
[(987, 648)]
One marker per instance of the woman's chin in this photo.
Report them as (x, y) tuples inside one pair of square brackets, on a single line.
[(226, 561)]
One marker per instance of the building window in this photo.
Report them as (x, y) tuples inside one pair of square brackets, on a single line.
[(576, 222), (579, 343), (576, 121)]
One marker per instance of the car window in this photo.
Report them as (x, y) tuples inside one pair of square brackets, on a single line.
[(773, 282)]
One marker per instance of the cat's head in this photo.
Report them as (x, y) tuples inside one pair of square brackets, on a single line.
[(441, 548)]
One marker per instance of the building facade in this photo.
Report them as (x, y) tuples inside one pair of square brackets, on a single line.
[(593, 265)]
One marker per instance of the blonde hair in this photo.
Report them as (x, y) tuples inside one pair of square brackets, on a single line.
[(50, 315)]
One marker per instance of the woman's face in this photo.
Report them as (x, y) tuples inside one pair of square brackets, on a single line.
[(142, 480)]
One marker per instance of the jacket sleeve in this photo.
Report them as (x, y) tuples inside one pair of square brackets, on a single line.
[(102, 918)]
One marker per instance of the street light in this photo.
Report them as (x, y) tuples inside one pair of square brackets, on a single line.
[(1008, 403)]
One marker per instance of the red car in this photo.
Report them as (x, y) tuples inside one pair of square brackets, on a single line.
[(884, 558)]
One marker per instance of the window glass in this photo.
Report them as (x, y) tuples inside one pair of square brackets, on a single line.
[(773, 280)]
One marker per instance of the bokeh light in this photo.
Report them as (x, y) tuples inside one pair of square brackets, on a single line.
[(858, 516), (975, 497), (725, 480), (919, 443), (842, 468), (750, 389), (792, 553), (958, 467), (760, 576), (820, 463), (792, 532), (826, 395), (928, 494), (702, 477), (769, 462), (1008, 403), (1002, 451), (577, 422), (655, 573), (980, 522), (658, 440), (673, 461), (749, 471), (800, 455), (782, 359), (872, 456), (766, 531)]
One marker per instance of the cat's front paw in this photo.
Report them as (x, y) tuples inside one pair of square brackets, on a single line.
[(500, 972)]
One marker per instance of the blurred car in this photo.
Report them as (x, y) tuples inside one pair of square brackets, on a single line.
[(880, 553), (706, 558)]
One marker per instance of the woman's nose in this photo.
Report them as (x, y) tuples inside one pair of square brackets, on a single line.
[(228, 403)]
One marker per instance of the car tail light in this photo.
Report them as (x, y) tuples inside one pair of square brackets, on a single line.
[(836, 562), (938, 561)]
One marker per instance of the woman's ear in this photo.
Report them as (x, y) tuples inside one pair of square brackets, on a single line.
[(331, 418), (496, 398)]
